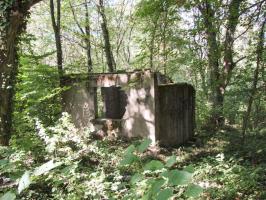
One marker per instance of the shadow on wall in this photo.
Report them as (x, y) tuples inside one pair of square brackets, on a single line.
[(139, 118), (77, 102), (138, 104)]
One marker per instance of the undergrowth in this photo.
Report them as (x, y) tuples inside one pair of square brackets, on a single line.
[(64, 163)]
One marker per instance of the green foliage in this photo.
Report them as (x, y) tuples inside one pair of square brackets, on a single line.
[(8, 196), (156, 179), (165, 194), (177, 177), (37, 97), (171, 161), (50, 158), (76, 167), (193, 191), (144, 145), (46, 167), (153, 165), (24, 182)]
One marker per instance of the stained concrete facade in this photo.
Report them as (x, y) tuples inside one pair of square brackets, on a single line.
[(133, 104)]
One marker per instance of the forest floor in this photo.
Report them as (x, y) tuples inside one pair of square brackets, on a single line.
[(226, 167)]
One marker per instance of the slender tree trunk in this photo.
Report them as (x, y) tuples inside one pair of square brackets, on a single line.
[(14, 17), (152, 43), (56, 23), (88, 37), (165, 26), (260, 48), (86, 34), (107, 45), (257, 113)]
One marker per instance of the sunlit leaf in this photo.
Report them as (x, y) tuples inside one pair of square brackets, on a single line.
[(165, 194), (154, 165), (171, 161), (4, 162), (193, 191), (24, 182), (129, 159), (144, 145), (46, 167), (8, 196), (177, 177), (136, 178), (157, 184), (130, 149), (189, 169)]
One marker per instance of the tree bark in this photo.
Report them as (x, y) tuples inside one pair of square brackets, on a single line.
[(219, 80), (229, 64), (214, 55), (56, 23), (88, 38), (14, 17), (86, 35), (107, 45), (152, 43), (259, 52)]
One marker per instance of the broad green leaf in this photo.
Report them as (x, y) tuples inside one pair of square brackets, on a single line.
[(171, 161), (144, 145), (128, 159), (146, 197), (136, 178), (8, 196), (189, 169), (193, 191), (24, 182), (177, 177), (154, 165), (46, 167), (130, 150), (156, 186), (165, 194), (4, 162)]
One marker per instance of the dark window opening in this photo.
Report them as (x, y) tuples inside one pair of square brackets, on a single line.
[(110, 102)]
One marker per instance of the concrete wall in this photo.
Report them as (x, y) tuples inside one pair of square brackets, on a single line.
[(79, 101), (138, 87), (142, 103), (139, 118), (128, 96)]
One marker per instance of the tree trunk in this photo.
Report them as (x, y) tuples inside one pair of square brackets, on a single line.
[(107, 45), (86, 35), (164, 30), (88, 38), (229, 64), (216, 96), (253, 91), (152, 43), (219, 80), (56, 23), (15, 17)]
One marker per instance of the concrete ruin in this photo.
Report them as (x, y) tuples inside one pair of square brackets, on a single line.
[(132, 104)]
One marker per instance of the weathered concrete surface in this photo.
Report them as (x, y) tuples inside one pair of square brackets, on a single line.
[(79, 102), (139, 118), (143, 102)]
